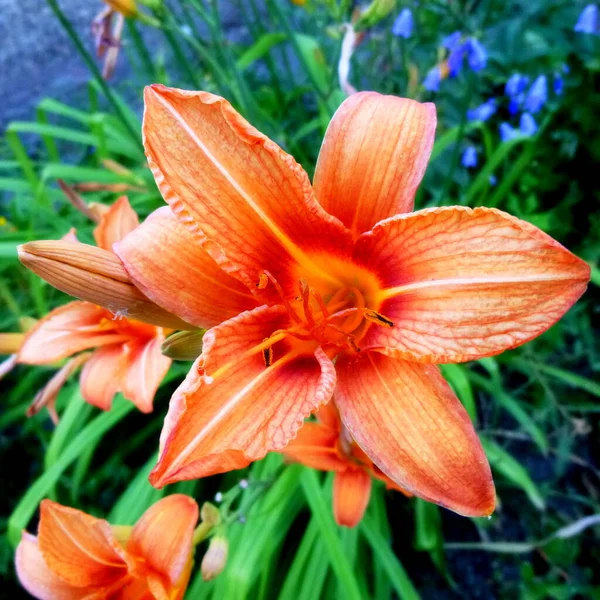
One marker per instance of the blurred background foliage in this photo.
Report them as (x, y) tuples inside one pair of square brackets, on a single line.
[(536, 408)]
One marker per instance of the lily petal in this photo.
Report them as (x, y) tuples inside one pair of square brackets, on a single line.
[(232, 408), (146, 369), (67, 330), (351, 493), (168, 264), (315, 447), (408, 421), (102, 376), (373, 158), (163, 536), (248, 202), (465, 283), (115, 224), (37, 578), (78, 547)]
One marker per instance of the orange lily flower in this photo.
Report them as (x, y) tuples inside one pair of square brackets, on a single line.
[(326, 445), (291, 276), (127, 356), (78, 557)]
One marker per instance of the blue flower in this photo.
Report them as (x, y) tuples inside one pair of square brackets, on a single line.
[(482, 112), (493, 179), (508, 132), (537, 95), (558, 85), (527, 125), (469, 157), (516, 85), (588, 21), (514, 104), (452, 41), (432, 80), (476, 54), (455, 60), (404, 23)]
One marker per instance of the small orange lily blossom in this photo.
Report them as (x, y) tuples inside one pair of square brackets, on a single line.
[(325, 445), (79, 557), (292, 277), (127, 356)]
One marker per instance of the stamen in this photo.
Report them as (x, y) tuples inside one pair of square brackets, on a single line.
[(268, 354), (356, 319), (284, 300), (305, 292), (377, 318), (320, 302), (262, 281)]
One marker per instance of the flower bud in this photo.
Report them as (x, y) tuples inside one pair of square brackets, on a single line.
[(215, 558), (94, 275), (128, 8), (210, 514), (183, 345)]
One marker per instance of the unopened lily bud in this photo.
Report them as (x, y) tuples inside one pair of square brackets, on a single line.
[(210, 514), (183, 345), (94, 275), (215, 558)]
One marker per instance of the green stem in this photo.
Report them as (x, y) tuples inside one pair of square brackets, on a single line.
[(294, 41), (180, 57), (93, 67), (141, 50)]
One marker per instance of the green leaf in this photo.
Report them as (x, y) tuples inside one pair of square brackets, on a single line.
[(457, 378), (504, 463), (259, 49), (36, 493), (381, 548), (323, 515)]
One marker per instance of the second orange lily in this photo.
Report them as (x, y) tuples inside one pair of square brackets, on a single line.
[(127, 356), (292, 277), (76, 556), (325, 445)]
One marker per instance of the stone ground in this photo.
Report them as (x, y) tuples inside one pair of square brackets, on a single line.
[(38, 60)]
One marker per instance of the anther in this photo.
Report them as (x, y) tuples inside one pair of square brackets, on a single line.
[(263, 280), (377, 318), (267, 354)]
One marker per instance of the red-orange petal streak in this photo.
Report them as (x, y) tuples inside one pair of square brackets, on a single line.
[(411, 425), (465, 283), (373, 158), (247, 201), (249, 409), (169, 265)]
